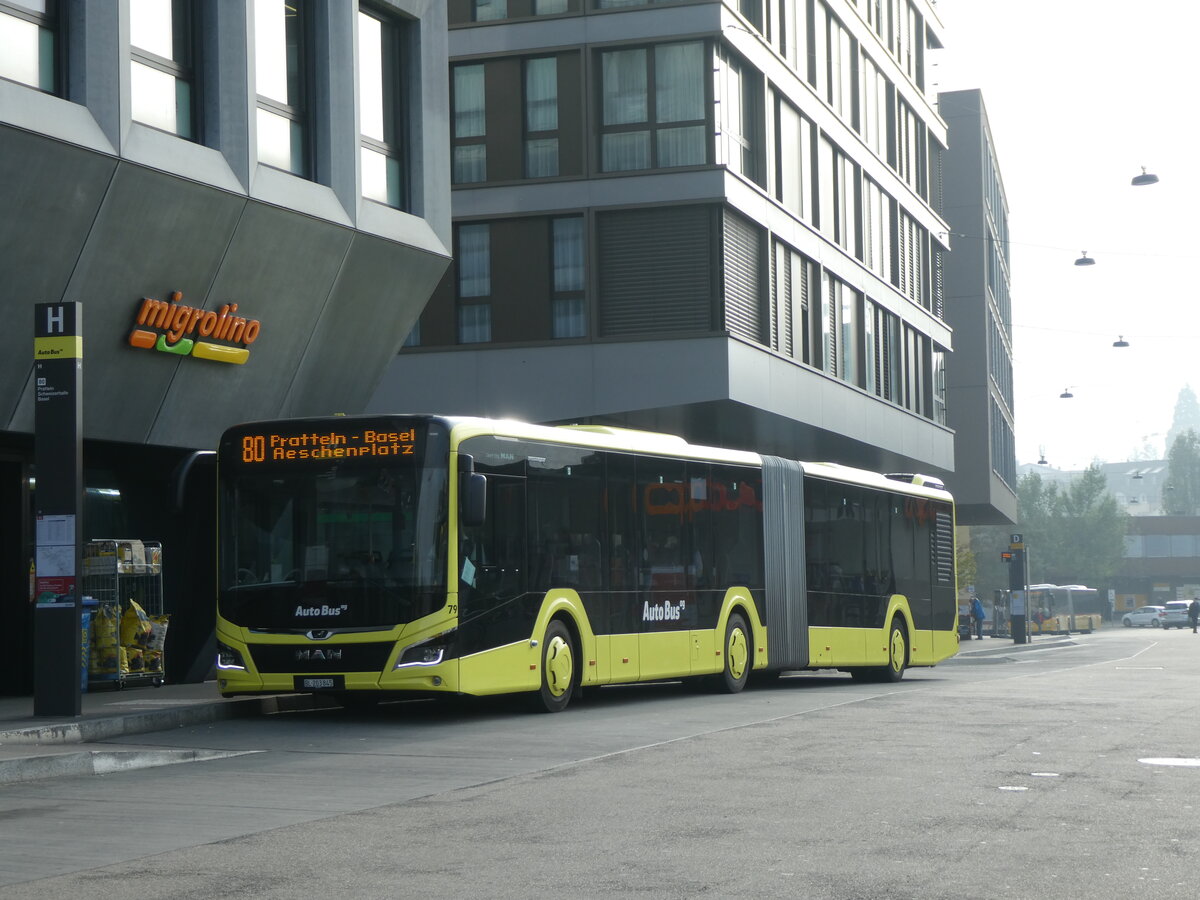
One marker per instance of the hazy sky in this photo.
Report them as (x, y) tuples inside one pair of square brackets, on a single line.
[(1081, 94)]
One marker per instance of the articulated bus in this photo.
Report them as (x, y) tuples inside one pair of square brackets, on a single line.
[(375, 557)]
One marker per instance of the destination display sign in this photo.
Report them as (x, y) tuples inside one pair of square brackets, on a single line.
[(312, 442)]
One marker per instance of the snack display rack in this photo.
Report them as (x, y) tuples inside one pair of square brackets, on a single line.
[(122, 588)]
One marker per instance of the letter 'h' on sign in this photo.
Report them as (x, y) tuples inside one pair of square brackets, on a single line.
[(58, 456)]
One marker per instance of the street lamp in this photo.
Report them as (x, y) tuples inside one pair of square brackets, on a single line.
[(1120, 341), (1144, 179), (1085, 260)]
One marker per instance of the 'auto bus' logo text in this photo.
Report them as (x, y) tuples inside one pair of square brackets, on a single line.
[(664, 612), (174, 322), (321, 610)]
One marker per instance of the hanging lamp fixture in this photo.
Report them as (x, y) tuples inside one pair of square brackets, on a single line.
[(1085, 260), (1144, 179)]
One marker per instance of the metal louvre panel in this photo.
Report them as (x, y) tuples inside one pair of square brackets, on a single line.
[(783, 541), (943, 547), (743, 279), (655, 271)]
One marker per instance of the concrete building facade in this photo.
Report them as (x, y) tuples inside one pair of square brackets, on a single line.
[(717, 219), (281, 163), (979, 374)]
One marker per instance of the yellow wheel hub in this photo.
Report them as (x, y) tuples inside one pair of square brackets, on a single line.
[(737, 653), (560, 666), (896, 657)]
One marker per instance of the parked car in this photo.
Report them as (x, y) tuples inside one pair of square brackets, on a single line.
[(1177, 614), (1145, 615)]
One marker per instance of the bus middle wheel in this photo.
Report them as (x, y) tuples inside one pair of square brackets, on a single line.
[(738, 659)]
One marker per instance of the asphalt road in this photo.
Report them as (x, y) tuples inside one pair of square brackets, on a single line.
[(1003, 774)]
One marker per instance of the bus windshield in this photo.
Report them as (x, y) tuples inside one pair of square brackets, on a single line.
[(331, 541)]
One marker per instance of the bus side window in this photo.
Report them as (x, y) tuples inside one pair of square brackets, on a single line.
[(620, 525)]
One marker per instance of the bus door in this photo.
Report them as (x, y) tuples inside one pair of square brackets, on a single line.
[(667, 571)]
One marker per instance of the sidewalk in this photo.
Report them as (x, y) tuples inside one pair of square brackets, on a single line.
[(998, 645), (41, 746)]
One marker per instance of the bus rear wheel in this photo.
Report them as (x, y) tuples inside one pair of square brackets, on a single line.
[(897, 653), (737, 657), (558, 669)]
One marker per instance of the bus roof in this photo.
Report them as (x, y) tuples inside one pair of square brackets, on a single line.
[(611, 437)]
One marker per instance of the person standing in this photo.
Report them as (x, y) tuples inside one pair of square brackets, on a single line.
[(977, 614), (1194, 613)]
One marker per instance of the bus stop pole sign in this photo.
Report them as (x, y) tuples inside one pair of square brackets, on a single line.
[(58, 457)]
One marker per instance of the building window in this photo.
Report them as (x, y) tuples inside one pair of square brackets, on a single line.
[(29, 43), (872, 107), (569, 310), (489, 10), (656, 270), (541, 117), (739, 100), (653, 107), (791, 34), (470, 125), (381, 110), (846, 186), (840, 329), (794, 161), (475, 323), (617, 4), (838, 198), (885, 353), (877, 230), (911, 264), (474, 261), (908, 150), (790, 286), (279, 66), (840, 89), (160, 66), (939, 386)]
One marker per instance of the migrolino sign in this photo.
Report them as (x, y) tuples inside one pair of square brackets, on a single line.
[(174, 322)]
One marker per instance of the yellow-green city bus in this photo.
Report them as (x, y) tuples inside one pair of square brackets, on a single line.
[(385, 556)]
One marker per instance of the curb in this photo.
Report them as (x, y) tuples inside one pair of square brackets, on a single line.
[(1005, 645), (101, 762), (102, 728)]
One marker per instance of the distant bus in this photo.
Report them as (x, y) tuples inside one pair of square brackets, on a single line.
[(385, 556), (1067, 607)]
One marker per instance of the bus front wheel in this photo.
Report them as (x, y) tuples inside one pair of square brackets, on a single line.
[(558, 669)]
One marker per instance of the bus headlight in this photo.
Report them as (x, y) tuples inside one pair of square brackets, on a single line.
[(228, 658), (426, 653)]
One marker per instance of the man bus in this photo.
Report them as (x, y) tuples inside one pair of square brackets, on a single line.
[(385, 556)]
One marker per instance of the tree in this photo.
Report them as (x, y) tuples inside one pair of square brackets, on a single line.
[(1073, 536), (1181, 491), (964, 561), (987, 543), (1187, 415)]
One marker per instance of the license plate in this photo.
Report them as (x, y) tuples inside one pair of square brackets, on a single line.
[(320, 682)]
